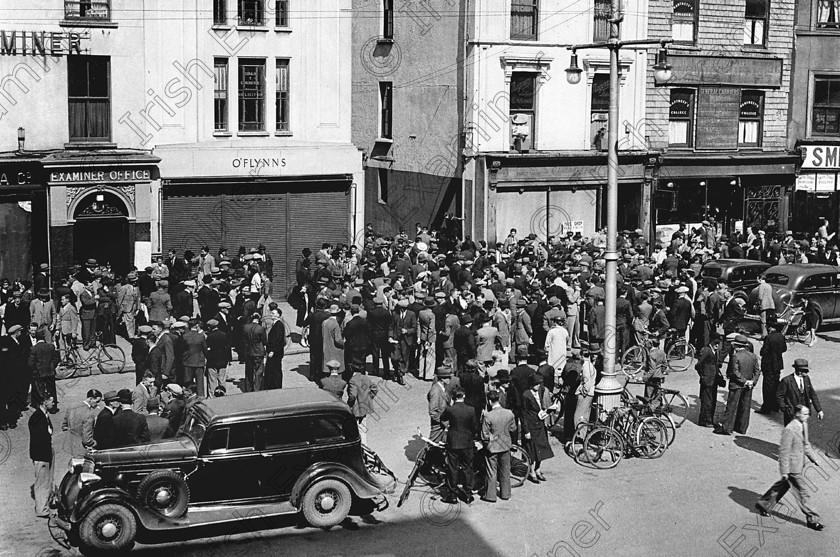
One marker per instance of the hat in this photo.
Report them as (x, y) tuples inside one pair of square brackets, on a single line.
[(224, 305), (333, 364), (144, 329), (44, 267), (682, 290), (124, 396), (440, 295), (190, 283), (520, 303), (741, 339), (522, 351), (503, 376), (111, 396), (554, 301), (91, 262), (800, 363), (443, 372), (323, 280), (131, 277), (472, 364), (429, 303), (224, 263), (44, 292), (178, 325), (13, 329), (175, 389), (213, 323), (403, 303), (334, 309), (535, 379)]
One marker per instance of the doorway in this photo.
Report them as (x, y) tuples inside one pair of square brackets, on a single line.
[(101, 232)]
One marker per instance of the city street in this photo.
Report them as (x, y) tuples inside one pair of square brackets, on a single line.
[(696, 500)]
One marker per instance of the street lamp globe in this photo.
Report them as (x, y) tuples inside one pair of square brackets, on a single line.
[(662, 70), (573, 71)]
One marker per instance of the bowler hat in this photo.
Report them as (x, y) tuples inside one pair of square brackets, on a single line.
[(124, 396), (430, 302), (535, 379), (800, 363), (111, 396), (503, 376), (44, 267)]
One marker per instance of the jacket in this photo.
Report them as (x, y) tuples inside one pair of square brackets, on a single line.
[(793, 448), (743, 367), (130, 428), (708, 366), (140, 396), (788, 394), (103, 430), (408, 321), (88, 305), (497, 427), (772, 362), (68, 319), (254, 340), (438, 401), (43, 359), (160, 306), (157, 427), (218, 349), (522, 330), (360, 394), (450, 325), (40, 437), (195, 349), (473, 386), (463, 425)]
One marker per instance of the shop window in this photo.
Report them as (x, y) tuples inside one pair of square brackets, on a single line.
[(220, 94), (89, 97), (282, 101), (828, 14), (388, 19), (382, 185), (825, 114), (600, 111), (281, 13), (684, 22), (220, 12), (87, 10), (681, 118), (749, 118), (250, 12), (602, 20), (386, 106), (755, 22), (251, 95), (523, 104), (523, 20)]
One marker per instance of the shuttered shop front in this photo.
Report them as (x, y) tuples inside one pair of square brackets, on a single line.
[(284, 216)]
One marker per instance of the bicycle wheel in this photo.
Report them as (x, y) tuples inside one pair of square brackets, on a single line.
[(66, 364), (603, 447), (680, 356), (676, 406), (555, 415), (412, 477), (574, 447), (520, 462), (802, 332), (111, 359), (670, 426), (651, 438), (633, 361)]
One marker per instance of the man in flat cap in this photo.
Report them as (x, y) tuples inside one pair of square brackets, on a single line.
[(743, 374), (796, 389)]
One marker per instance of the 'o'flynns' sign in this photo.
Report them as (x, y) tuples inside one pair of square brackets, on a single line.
[(821, 157), (41, 43)]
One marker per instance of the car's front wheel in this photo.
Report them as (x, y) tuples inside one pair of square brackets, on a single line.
[(107, 529), (326, 503)]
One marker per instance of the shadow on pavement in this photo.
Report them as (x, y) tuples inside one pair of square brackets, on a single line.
[(744, 497), (760, 446), (413, 448)]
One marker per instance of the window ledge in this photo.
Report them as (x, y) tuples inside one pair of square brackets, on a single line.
[(684, 47), (222, 134), (384, 140), (385, 40), (382, 202), (830, 32), (282, 29), (756, 48), (221, 27), (82, 144), (283, 134), (88, 23), (253, 134), (252, 28)]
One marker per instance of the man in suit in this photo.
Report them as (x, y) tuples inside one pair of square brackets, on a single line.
[(143, 392), (682, 313), (360, 394), (743, 373), (333, 383), (379, 326), (498, 426), (103, 429), (333, 339), (157, 424), (460, 447), (403, 336), (254, 339), (42, 360), (766, 303), (42, 455), (772, 364), (439, 401), (16, 376), (464, 343), (793, 448), (130, 428), (472, 381), (218, 356), (78, 425), (173, 408), (182, 300), (795, 390), (165, 343), (195, 356), (708, 368), (275, 350), (315, 321), (356, 340)]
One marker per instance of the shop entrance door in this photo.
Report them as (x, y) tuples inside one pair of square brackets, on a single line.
[(101, 232)]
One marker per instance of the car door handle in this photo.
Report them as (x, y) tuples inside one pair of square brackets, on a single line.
[(265, 455)]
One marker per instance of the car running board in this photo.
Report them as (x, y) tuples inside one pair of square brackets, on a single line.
[(202, 516)]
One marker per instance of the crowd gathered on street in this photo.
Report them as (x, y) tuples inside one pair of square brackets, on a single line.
[(497, 329)]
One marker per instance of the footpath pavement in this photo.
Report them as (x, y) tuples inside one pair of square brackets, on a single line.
[(697, 500)]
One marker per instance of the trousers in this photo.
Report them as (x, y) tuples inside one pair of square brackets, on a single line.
[(457, 460), (253, 373), (737, 414), (215, 378), (381, 348), (43, 486), (780, 488), (708, 404), (497, 467), (768, 392)]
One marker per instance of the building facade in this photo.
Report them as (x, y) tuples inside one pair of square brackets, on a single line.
[(721, 121), (815, 115), (408, 106)]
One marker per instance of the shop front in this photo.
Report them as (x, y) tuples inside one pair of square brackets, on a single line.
[(816, 195), (552, 194), (236, 197), (23, 224), (100, 208)]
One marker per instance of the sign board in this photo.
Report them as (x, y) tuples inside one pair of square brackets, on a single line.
[(88, 176), (717, 117), (41, 43), (806, 182), (739, 71), (572, 226), (821, 157), (825, 182)]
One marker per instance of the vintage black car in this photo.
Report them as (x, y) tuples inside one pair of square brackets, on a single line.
[(255, 455), (793, 283), (740, 275)]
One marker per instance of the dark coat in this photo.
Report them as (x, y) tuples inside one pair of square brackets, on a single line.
[(357, 335), (43, 359), (463, 425), (474, 395), (130, 428), (743, 367), (465, 344), (218, 349), (531, 423), (277, 339), (195, 349), (157, 427), (788, 394), (680, 314), (182, 304), (772, 362), (40, 438), (708, 365), (254, 340), (103, 429)]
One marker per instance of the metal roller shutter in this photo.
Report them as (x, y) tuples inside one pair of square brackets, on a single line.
[(191, 222), (317, 218)]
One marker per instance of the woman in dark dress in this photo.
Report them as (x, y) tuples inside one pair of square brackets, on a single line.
[(533, 423)]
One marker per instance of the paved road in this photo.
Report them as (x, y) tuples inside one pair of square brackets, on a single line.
[(697, 500)]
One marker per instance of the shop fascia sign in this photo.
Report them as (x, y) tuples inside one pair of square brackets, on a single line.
[(86, 176), (821, 157), (15, 178), (41, 43)]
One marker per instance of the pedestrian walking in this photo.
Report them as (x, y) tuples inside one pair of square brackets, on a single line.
[(42, 455), (498, 428), (796, 390)]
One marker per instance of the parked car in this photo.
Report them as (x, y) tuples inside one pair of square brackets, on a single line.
[(793, 283), (740, 275), (254, 455)]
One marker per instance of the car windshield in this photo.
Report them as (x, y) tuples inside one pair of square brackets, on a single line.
[(194, 426), (711, 272), (778, 279)]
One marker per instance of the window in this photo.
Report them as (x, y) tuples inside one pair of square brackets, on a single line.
[(825, 115), (755, 21), (332, 429), (749, 118), (89, 98), (218, 440), (828, 14), (382, 184), (815, 282), (286, 432), (523, 104), (523, 20), (386, 108), (220, 12), (282, 104), (388, 19), (600, 111), (281, 17), (684, 23), (220, 95), (87, 10), (602, 20), (251, 95), (251, 12), (680, 118), (232, 438)]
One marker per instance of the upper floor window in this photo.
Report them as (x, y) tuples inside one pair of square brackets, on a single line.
[(89, 97), (87, 10), (281, 13), (750, 115), (602, 20), (684, 23), (523, 105), (386, 107), (282, 100), (599, 111), (220, 12), (755, 22), (681, 118), (828, 14), (251, 95), (825, 114), (251, 12), (388, 19), (523, 20), (220, 95)]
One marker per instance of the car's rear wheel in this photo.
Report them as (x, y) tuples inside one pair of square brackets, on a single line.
[(109, 528), (164, 492), (326, 503)]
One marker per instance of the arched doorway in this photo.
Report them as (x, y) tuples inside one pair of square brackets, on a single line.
[(101, 231)]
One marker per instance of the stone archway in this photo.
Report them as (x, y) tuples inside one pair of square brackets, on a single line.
[(101, 230)]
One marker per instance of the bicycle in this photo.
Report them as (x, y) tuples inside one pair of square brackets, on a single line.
[(669, 402), (558, 403), (796, 326), (627, 432), (678, 352), (109, 358), (431, 467)]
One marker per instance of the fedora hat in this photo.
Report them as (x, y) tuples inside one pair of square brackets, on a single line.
[(800, 363)]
